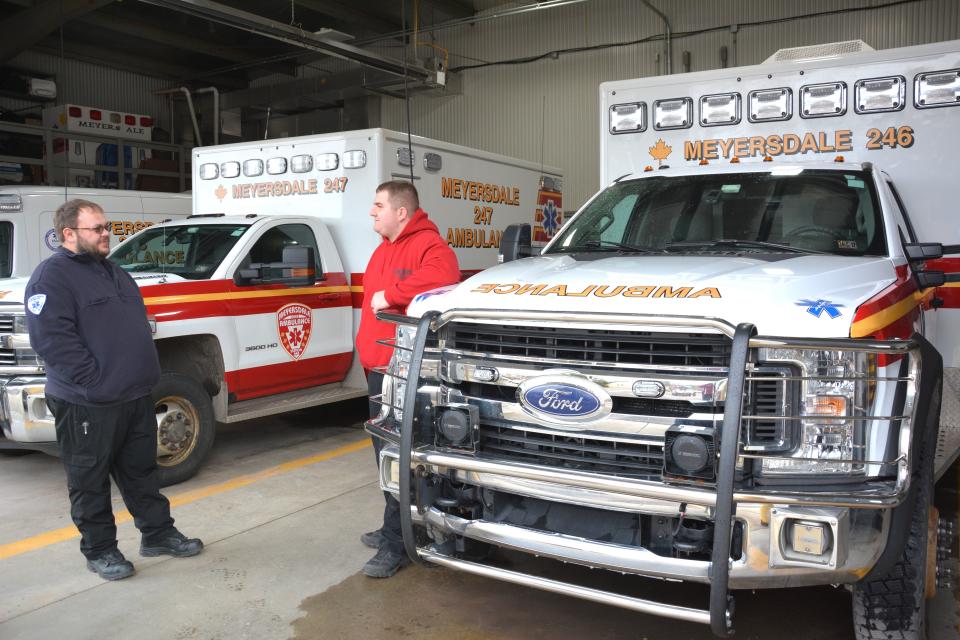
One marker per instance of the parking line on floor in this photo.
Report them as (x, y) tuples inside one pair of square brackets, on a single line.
[(48, 538)]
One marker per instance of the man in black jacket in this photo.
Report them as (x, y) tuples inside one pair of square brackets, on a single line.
[(87, 321)]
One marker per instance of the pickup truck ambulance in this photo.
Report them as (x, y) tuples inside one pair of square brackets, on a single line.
[(736, 365), (26, 219), (255, 298)]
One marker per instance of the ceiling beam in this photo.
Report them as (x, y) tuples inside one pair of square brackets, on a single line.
[(291, 35), (347, 14), (125, 61), (26, 28)]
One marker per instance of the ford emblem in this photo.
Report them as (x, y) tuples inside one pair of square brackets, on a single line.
[(564, 398)]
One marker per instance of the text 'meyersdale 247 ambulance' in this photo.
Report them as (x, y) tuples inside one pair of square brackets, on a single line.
[(255, 298), (736, 365)]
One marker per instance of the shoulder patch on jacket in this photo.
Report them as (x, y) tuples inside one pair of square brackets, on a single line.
[(35, 303)]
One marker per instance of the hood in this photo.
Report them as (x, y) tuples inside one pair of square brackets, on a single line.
[(419, 222), (811, 295), (11, 289)]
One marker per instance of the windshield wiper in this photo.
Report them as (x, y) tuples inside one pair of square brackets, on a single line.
[(594, 245), (739, 244)]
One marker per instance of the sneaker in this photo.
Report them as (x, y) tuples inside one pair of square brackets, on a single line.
[(111, 566), (170, 543), (385, 563), (372, 539)]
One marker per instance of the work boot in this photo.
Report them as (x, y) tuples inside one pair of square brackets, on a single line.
[(111, 566), (372, 539), (385, 563), (170, 543)]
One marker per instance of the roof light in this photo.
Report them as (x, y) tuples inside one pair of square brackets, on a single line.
[(630, 117), (704, 162), (209, 171), (75, 112), (10, 202), (130, 120), (253, 167), (767, 159), (355, 159), (327, 161), (734, 160), (405, 157), (767, 105), (432, 161), (647, 168), (719, 109), (276, 166), (879, 94), (839, 159), (673, 114), (229, 169), (95, 114), (937, 89), (115, 118), (146, 121), (301, 164), (823, 100)]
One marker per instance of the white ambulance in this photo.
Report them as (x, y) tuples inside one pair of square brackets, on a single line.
[(255, 298), (27, 236), (736, 365)]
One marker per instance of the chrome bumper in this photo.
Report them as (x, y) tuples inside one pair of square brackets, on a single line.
[(23, 410), (859, 535)]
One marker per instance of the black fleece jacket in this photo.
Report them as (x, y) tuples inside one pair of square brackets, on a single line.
[(87, 321)]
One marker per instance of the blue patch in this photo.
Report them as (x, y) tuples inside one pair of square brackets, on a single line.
[(817, 308), (434, 292), (561, 400)]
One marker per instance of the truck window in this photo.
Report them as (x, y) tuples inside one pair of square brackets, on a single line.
[(831, 211), (6, 249), (269, 248), (189, 251)]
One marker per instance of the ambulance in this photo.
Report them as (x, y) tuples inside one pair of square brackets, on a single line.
[(255, 298), (736, 365), (27, 236)]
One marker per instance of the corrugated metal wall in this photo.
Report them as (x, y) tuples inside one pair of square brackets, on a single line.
[(93, 86), (547, 111)]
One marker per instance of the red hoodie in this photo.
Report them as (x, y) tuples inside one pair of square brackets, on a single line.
[(417, 261)]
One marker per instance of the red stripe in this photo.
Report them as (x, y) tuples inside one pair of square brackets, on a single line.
[(904, 286), (239, 306), (271, 379)]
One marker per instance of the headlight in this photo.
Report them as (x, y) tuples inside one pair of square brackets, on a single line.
[(837, 391), (19, 323), (395, 383)]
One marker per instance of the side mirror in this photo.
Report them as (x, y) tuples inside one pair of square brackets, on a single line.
[(923, 251), (298, 268), (515, 242)]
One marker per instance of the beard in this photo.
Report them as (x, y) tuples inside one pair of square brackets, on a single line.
[(92, 248)]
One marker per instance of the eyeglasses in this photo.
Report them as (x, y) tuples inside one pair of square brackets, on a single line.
[(100, 228)]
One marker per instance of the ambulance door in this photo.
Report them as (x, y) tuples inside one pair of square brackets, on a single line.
[(290, 337)]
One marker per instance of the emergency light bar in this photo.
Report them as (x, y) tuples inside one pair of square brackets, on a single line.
[(673, 114), (230, 169), (628, 118), (355, 159), (823, 100), (253, 168), (879, 94), (276, 166), (767, 105), (209, 171), (301, 164), (327, 161), (720, 109), (937, 89)]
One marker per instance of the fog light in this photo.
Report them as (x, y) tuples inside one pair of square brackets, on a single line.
[(456, 424), (810, 538)]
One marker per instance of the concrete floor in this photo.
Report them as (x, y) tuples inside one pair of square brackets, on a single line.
[(280, 505)]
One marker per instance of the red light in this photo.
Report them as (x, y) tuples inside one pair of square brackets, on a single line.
[(131, 120), (146, 121), (75, 112), (95, 115)]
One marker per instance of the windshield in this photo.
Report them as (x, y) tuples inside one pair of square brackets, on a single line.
[(192, 252), (812, 211)]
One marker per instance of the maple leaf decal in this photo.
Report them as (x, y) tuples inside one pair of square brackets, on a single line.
[(661, 150), (220, 192)]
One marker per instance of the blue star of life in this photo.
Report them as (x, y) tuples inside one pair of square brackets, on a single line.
[(550, 215), (819, 307)]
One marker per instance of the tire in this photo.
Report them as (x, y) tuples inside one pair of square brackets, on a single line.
[(185, 427), (892, 606)]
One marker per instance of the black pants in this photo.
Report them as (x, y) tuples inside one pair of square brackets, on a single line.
[(97, 443), (392, 535)]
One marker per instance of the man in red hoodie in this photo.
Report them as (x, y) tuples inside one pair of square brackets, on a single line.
[(412, 258)]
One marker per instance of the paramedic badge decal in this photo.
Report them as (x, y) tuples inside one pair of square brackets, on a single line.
[(293, 325)]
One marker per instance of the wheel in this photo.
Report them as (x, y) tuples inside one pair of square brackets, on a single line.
[(185, 427), (892, 606)]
